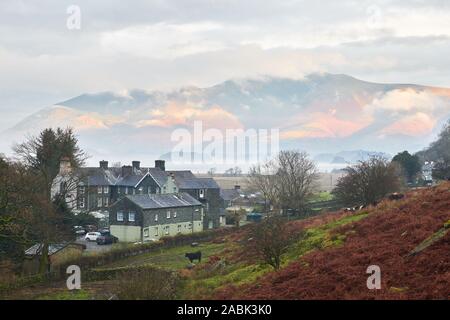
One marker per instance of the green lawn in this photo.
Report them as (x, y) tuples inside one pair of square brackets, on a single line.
[(321, 196), (171, 258)]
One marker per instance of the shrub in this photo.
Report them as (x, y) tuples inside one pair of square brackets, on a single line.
[(147, 284)]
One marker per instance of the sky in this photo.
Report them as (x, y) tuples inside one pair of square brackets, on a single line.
[(165, 44)]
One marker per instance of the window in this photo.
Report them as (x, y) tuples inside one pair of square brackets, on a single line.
[(168, 214), (156, 231), (106, 202), (175, 214), (106, 189), (118, 190), (146, 233), (99, 202), (131, 216), (127, 190), (156, 217), (201, 193), (99, 189), (141, 189), (179, 228), (119, 216), (167, 230)]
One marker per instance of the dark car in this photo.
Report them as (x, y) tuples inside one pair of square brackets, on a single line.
[(106, 238)]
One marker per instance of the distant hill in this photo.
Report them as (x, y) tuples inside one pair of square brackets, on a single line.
[(320, 112)]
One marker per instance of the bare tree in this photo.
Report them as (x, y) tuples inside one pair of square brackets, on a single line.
[(368, 181), (263, 178), (271, 239), (297, 179), (287, 181)]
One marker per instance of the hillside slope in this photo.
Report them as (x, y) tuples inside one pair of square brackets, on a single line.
[(408, 240)]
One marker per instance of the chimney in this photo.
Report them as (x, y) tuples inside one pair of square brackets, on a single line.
[(161, 164), (104, 164), (136, 165), (126, 170), (64, 165)]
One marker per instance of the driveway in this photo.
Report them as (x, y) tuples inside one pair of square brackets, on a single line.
[(92, 246)]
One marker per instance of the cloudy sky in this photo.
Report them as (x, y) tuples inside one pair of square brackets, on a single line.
[(164, 44)]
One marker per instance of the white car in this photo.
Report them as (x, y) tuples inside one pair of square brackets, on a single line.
[(92, 236)]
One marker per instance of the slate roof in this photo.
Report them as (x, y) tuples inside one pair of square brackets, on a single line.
[(99, 176), (187, 180), (160, 201), (229, 194), (184, 179)]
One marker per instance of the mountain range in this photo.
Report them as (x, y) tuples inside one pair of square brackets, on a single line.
[(319, 113)]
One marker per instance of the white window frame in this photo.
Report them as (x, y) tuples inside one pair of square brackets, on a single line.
[(118, 190), (146, 233), (201, 193), (156, 231), (132, 214), (99, 189), (167, 230), (168, 214), (141, 190), (174, 214), (119, 214), (99, 202), (106, 202), (106, 189), (156, 217)]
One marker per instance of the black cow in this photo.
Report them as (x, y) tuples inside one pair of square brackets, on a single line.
[(194, 256)]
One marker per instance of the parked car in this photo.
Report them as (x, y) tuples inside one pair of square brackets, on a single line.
[(106, 238), (92, 236), (79, 231), (90, 228)]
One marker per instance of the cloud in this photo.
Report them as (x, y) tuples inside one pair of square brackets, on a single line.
[(323, 125), (418, 124), (175, 114), (406, 101), (166, 44)]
